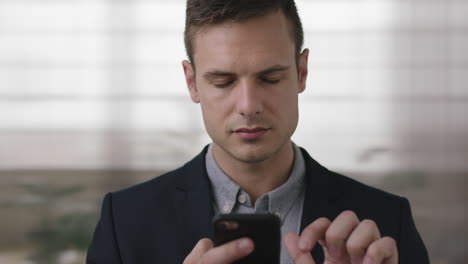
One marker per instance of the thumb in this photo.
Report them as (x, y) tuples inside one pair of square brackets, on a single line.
[(200, 248)]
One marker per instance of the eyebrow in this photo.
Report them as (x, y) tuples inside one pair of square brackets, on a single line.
[(217, 73), (212, 74), (275, 68)]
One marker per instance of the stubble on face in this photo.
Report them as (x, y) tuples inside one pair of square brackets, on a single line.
[(253, 156), (239, 51)]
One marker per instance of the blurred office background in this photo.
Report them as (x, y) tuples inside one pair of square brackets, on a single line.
[(92, 99)]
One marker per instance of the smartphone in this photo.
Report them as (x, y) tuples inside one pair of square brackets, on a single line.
[(263, 229)]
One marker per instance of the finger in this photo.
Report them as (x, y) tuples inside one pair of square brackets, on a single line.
[(200, 248), (312, 233), (360, 239), (299, 257), (228, 252), (339, 232), (383, 251)]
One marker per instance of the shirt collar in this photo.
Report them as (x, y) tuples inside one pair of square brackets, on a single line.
[(279, 201)]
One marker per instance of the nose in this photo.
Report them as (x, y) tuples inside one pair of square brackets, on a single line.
[(249, 99)]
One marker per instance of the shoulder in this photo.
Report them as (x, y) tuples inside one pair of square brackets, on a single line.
[(157, 186), (353, 188), (161, 188), (338, 193), (332, 184), (385, 208)]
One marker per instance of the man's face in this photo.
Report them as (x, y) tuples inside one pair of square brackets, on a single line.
[(247, 83)]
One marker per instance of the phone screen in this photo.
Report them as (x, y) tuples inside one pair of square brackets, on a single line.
[(263, 229)]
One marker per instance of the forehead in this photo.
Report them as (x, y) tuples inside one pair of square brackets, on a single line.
[(256, 42)]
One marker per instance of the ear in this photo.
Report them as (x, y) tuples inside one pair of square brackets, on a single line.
[(303, 71), (190, 80)]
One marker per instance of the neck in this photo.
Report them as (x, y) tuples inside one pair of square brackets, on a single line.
[(257, 178)]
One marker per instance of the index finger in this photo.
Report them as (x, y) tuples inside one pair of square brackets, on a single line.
[(313, 233)]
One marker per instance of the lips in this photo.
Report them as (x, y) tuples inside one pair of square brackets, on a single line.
[(251, 133)]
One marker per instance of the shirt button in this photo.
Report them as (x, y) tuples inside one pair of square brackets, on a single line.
[(226, 208), (241, 199)]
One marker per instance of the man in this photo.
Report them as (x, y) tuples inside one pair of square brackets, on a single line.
[(246, 68)]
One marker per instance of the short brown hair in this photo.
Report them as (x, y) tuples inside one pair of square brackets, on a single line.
[(200, 13)]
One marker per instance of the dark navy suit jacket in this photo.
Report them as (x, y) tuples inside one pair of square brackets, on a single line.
[(160, 221)]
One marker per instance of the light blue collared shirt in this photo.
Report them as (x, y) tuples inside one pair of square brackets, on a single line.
[(286, 201)]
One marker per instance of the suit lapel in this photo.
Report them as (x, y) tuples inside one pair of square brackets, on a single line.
[(321, 195), (194, 200)]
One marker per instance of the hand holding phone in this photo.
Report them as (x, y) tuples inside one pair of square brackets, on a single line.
[(263, 229)]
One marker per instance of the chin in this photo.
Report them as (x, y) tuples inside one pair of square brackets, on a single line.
[(252, 159), (251, 155)]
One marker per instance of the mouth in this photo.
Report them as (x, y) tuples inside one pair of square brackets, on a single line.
[(251, 133)]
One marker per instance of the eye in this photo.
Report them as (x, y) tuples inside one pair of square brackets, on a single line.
[(223, 84), (270, 80)]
